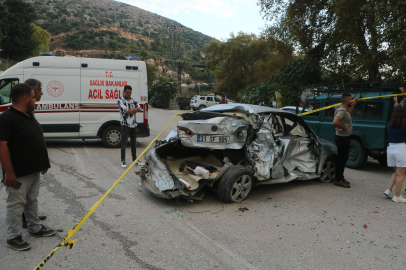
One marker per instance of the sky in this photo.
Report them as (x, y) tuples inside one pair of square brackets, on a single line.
[(215, 18)]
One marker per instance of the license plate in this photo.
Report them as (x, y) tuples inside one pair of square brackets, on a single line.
[(213, 139)]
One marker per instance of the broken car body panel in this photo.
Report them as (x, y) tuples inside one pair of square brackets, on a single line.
[(273, 145)]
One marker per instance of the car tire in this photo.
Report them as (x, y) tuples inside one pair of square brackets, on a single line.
[(383, 160), (357, 156), (328, 173), (235, 185), (111, 137), (201, 107)]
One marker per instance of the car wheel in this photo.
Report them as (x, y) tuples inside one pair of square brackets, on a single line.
[(357, 156), (201, 107), (383, 160), (235, 185), (111, 137), (328, 172)]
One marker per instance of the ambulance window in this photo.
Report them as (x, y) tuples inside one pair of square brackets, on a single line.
[(5, 89), (202, 98), (209, 98)]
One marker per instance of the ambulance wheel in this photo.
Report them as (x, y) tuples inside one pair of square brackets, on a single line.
[(111, 137)]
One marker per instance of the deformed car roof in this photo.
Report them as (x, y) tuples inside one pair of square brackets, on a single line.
[(249, 108)]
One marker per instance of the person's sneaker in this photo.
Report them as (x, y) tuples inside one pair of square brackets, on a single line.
[(398, 199), (139, 163), (346, 182), (341, 184), (18, 243), (388, 193), (123, 165), (44, 232)]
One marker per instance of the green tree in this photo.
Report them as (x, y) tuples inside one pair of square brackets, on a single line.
[(16, 17), (144, 54), (245, 61), (365, 39), (42, 37), (151, 74), (161, 93)]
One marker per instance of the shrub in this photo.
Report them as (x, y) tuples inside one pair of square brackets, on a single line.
[(161, 93)]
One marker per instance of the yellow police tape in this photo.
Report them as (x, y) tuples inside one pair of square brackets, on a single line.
[(70, 243), (338, 104)]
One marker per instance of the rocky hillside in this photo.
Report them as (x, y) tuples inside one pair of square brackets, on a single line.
[(110, 29)]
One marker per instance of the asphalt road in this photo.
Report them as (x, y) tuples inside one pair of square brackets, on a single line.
[(299, 225)]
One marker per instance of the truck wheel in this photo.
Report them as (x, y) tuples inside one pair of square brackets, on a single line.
[(111, 137), (235, 185), (358, 155), (383, 160), (201, 107)]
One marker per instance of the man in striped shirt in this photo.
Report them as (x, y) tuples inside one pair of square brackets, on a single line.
[(128, 107)]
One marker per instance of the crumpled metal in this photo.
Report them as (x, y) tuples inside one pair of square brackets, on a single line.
[(299, 156), (263, 151), (158, 172)]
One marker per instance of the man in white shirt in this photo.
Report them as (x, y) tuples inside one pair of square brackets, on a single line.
[(128, 107)]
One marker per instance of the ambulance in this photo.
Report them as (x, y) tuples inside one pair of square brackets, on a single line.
[(80, 95)]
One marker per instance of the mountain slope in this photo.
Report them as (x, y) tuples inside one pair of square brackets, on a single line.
[(110, 29)]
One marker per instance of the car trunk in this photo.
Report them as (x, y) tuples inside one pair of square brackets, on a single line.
[(169, 170)]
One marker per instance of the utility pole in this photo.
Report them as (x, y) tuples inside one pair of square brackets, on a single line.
[(174, 35)]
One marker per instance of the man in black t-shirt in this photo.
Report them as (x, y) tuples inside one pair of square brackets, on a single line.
[(23, 156)]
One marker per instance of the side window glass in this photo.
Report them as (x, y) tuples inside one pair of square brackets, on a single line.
[(202, 98), (373, 110), (358, 110), (331, 111), (5, 89), (209, 99), (217, 99), (312, 105)]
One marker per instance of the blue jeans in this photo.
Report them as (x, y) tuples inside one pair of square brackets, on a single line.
[(23, 199), (125, 133)]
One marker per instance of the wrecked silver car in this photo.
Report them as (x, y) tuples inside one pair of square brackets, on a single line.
[(233, 147)]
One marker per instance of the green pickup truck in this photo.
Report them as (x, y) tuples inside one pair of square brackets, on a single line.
[(369, 118)]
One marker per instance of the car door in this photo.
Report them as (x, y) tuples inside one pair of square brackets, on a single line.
[(302, 148), (209, 101)]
